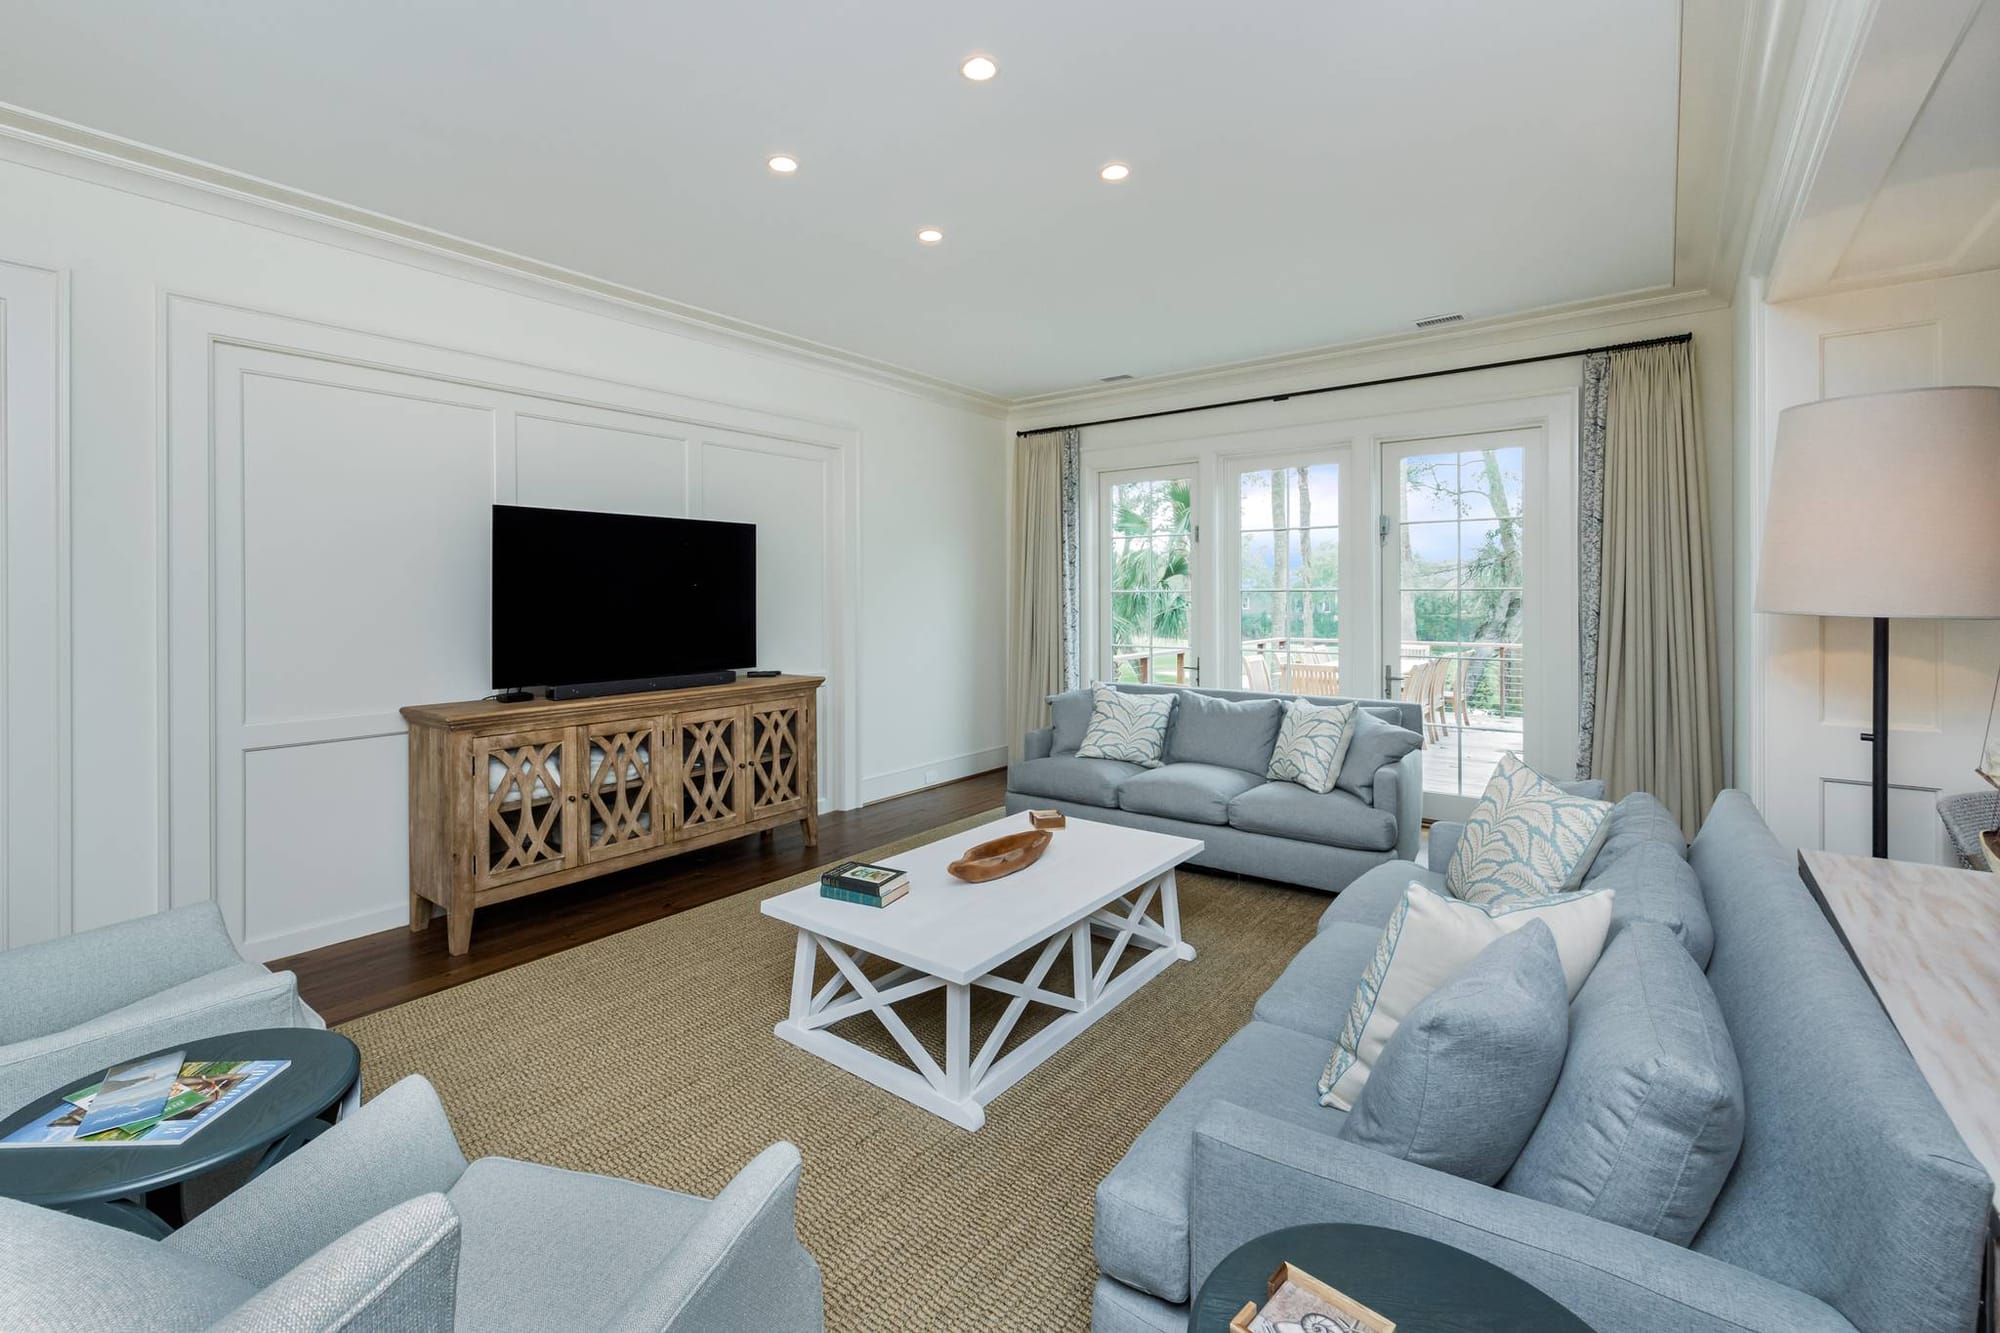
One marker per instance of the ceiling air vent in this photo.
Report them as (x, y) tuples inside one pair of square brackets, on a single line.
[(1436, 320), (1113, 379)]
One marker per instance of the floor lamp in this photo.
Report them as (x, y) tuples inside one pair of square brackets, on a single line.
[(1882, 506)]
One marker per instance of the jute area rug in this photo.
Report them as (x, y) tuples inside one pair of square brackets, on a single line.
[(649, 1055)]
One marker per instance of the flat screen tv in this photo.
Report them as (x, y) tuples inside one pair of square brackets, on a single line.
[(583, 598)]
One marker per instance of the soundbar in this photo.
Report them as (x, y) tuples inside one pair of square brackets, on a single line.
[(644, 685)]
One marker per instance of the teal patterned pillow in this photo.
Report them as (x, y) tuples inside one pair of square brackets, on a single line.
[(1312, 744), (1526, 839), (1131, 727)]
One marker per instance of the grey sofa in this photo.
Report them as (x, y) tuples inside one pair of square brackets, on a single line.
[(81, 1002), (381, 1224), (1213, 787), (1853, 1204)]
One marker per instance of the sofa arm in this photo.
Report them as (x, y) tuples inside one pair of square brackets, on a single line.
[(395, 1271), (1254, 1174), (235, 999), (125, 963), (1445, 834), (1399, 790), (1038, 744), (392, 1150)]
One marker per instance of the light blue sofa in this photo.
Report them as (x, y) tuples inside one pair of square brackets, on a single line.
[(1852, 1205), (1215, 789), (381, 1224), (71, 1006)]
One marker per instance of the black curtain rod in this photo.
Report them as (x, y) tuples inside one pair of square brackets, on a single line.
[(1365, 384)]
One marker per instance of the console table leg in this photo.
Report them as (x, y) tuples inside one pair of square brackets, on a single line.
[(810, 825), (458, 930), (420, 912)]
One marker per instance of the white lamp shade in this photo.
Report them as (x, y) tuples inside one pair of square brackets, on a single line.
[(1886, 504)]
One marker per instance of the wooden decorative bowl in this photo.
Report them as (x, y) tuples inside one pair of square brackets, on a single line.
[(1001, 857)]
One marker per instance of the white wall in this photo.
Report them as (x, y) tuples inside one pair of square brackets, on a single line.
[(1809, 770), (352, 387)]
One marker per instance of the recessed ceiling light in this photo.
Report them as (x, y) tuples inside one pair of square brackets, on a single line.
[(979, 68), (929, 235), (782, 163), (1114, 171)]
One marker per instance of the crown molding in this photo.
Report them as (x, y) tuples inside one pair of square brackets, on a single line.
[(1468, 344), (30, 139)]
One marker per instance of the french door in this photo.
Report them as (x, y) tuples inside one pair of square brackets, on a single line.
[(1147, 577), (1286, 542), (1459, 515)]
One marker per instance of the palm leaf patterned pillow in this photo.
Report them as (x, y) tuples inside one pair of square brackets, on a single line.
[(1526, 839), (1131, 727), (1312, 744)]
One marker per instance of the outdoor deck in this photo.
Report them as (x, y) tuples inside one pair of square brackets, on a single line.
[(1460, 762)]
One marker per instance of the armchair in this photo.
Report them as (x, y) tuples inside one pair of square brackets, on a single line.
[(381, 1223), (85, 1001)]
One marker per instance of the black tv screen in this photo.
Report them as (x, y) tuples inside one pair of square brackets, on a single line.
[(580, 597)]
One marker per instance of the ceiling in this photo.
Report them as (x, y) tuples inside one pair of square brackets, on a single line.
[(1908, 183), (1304, 173)]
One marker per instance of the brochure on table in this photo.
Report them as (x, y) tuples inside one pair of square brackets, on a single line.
[(200, 1095)]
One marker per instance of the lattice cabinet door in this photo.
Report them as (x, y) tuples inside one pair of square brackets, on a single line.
[(622, 810), (708, 792), (521, 783), (777, 757)]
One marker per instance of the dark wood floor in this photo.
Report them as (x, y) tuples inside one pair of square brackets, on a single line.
[(357, 977)]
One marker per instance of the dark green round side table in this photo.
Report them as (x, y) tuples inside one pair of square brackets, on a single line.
[(1424, 1285), (136, 1187)]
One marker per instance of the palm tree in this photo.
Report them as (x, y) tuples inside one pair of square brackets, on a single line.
[(1150, 570)]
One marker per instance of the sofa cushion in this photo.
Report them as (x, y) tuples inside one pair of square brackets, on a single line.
[(1654, 884), (1372, 898), (544, 1248), (1068, 778), (1639, 820), (1463, 1082), (1131, 727), (1230, 733), (1334, 819), (1069, 718), (1311, 994), (1141, 1231), (1428, 939), (64, 1272), (1312, 744), (1199, 793), (1647, 1118), (1526, 838), (1376, 743)]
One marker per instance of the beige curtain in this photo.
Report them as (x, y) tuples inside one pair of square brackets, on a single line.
[(1037, 582), (1658, 703)]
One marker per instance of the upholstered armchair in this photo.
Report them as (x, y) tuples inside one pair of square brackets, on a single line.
[(380, 1223), (77, 1004)]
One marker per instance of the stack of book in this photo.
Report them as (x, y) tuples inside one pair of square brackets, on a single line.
[(860, 882)]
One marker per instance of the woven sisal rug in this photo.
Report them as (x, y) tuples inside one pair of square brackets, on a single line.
[(649, 1055)]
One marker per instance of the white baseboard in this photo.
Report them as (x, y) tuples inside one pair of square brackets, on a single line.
[(884, 785), (322, 933)]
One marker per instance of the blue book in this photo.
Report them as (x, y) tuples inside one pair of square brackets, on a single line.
[(134, 1091)]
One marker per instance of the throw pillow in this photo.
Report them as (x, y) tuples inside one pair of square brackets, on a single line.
[(1312, 744), (1131, 727), (1526, 839), (1231, 733), (1462, 1084), (1069, 715), (1375, 744), (1428, 939), (1647, 1118)]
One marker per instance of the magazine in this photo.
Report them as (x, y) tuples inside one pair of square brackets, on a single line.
[(202, 1093)]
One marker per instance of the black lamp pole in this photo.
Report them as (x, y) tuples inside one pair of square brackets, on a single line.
[(1878, 740)]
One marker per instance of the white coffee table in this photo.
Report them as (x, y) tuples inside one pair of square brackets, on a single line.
[(1094, 880)]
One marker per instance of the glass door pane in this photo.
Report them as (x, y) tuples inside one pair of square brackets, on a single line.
[(1454, 590), (1149, 574), (1288, 575)]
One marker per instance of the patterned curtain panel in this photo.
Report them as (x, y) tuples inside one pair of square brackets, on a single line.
[(1072, 558), (1044, 576), (1657, 692), (1590, 550)]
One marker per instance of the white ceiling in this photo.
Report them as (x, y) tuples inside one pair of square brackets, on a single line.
[(1908, 183), (1305, 172)]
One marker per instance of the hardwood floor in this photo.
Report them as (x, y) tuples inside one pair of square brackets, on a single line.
[(357, 977)]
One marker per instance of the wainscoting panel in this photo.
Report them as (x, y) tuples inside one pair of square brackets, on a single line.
[(329, 560), (34, 610)]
